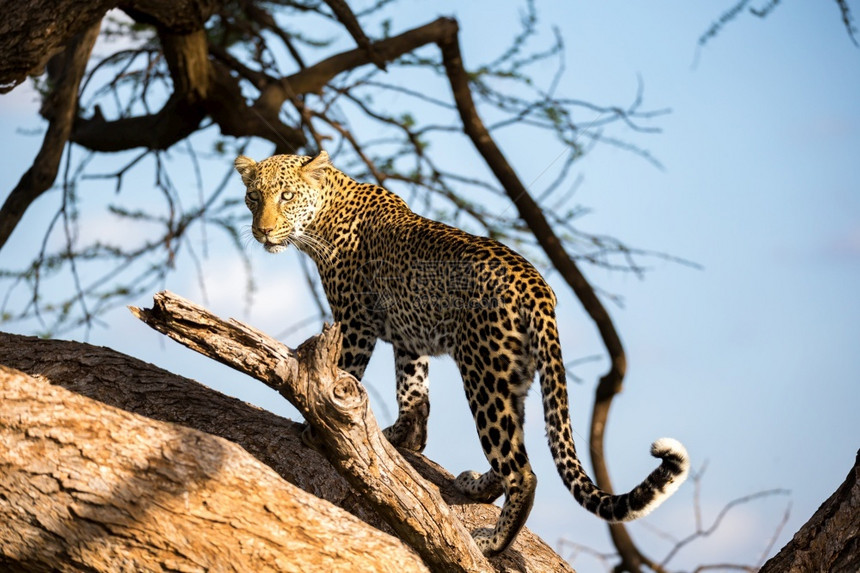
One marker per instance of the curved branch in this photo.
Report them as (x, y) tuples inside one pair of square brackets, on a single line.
[(66, 71), (178, 119), (203, 86), (314, 78), (528, 209), (235, 118), (187, 59)]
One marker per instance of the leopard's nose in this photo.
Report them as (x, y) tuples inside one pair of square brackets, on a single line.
[(265, 230)]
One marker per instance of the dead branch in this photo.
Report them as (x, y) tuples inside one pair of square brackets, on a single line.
[(611, 382), (141, 388), (335, 406)]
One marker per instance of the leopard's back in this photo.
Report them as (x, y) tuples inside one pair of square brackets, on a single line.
[(428, 287)]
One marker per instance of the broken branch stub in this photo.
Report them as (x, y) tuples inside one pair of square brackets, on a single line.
[(335, 405)]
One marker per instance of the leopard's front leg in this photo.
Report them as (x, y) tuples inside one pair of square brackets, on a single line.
[(413, 401)]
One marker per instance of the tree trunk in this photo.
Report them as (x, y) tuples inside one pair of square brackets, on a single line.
[(142, 388), (85, 486), (830, 540)]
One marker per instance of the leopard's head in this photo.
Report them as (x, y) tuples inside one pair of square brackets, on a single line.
[(284, 195)]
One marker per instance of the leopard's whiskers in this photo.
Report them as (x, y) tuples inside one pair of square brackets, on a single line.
[(315, 244)]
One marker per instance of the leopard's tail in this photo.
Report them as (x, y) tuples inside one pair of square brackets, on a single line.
[(660, 483)]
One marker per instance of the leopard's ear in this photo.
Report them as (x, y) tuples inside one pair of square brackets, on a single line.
[(314, 171), (247, 168)]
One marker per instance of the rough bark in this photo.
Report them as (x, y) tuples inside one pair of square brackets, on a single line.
[(830, 540), (116, 379), (178, 16), (31, 33), (89, 487), (142, 388)]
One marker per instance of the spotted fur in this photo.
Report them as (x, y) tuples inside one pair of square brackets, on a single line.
[(431, 289)]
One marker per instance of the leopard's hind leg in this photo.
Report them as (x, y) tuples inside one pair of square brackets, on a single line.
[(496, 385)]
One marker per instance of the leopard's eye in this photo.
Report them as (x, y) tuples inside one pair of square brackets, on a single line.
[(253, 196), (287, 195)]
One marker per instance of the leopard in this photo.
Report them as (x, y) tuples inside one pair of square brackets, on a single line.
[(430, 289)]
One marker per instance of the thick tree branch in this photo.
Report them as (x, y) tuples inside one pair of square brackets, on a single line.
[(335, 405), (830, 540), (187, 57), (89, 487), (119, 380), (231, 112), (314, 78), (201, 87), (174, 122), (224, 101), (178, 16), (59, 108), (141, 388), (31, 33)]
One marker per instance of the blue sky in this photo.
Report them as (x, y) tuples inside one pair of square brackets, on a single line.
[(751, 361)]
